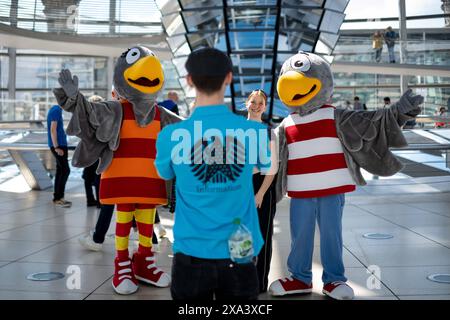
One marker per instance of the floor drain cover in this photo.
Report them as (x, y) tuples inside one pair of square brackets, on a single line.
[(378, 236), (45, 276), (440, 277)]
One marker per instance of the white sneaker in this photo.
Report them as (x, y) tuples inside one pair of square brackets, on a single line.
[(338, 290), (161, 230), (62, 203), (155, 247), (87, 242)]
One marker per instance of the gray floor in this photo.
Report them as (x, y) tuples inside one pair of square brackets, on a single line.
[(36, 237)]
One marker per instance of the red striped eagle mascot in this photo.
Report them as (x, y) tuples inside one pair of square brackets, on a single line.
[(322, 149)]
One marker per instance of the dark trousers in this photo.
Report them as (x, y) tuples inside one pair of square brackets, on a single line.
[(91, 179), (203, 279), (157, 220), (266, 215), (104, 220), (62, 173)]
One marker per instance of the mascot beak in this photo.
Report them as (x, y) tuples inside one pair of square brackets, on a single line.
[(295, 89), (145, 75)]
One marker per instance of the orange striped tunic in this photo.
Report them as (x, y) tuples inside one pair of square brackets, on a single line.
[(132, 177)]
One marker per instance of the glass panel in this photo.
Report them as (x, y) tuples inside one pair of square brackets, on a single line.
[(184, 50), (4, 69), (295, 41), (176, 42), (4, 102), (304, 3), (251, 64), (251, 18), (251, 2), (331, 21), (167, 6), (216, 40), (179, 65), (252, 40), (85, 17), (338, 5), (203, 20), (173, 24), (42, 71), (189, 4), (301, 18)]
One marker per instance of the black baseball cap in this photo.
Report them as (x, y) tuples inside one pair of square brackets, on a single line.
[(208, 62)]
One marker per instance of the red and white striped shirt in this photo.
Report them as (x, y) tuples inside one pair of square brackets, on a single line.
[(316, 163)]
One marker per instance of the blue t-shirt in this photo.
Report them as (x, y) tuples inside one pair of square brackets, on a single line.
[(169, 105), (55, 114), (213, 179)]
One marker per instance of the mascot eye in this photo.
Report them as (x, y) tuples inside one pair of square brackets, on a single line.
[(301, 64), (133, 55)]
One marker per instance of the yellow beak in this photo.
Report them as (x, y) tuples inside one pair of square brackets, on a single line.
[(145, 75), (295, 89)]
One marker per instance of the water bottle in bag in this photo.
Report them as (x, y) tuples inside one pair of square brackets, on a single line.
[(240, 244)]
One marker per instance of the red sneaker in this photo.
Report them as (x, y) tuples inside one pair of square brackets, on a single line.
[(338, 290), (289, 285), (145, 270), (124, 281)]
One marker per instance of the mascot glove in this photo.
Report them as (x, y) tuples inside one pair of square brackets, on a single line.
[(68, 84), (409, 103)]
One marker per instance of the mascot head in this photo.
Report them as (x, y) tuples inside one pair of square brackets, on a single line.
[(305, 82), (138, 78)]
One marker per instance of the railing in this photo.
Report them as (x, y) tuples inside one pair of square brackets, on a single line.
[(418, 52), (76, 17), (28, 146)]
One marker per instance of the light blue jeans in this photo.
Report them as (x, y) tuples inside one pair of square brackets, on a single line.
[(303, 215), (391, 54)]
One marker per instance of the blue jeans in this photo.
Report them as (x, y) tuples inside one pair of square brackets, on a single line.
[(391, 54), (303, 214)]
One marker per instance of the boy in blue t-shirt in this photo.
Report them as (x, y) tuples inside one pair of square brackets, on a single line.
[(212, 155)]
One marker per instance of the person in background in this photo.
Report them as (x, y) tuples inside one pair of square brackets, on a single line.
[(386, 102), (264, 190), (390, 37), (90, 176), (171, 102), (348, 105), (357, 105), (442, 112), (57, 141), (377, 45)]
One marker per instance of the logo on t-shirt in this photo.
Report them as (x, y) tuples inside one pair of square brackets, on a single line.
[(213, 162)]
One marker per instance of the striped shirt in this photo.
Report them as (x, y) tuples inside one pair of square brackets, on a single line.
[(316, 163), (131, 177)]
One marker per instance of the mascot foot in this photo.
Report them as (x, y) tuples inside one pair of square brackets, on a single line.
[(289, 285), (145, 269), (338, 290), (124, 281)]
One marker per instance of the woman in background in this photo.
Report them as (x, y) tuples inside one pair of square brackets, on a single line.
[(264, 189)]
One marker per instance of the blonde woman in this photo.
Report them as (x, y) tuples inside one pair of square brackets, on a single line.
[(264, 188)]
